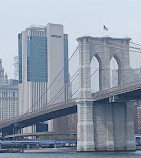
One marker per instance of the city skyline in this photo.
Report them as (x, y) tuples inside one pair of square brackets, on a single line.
[(79, 18)]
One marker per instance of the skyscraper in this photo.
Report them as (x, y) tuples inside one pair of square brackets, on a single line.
[(43, 53)]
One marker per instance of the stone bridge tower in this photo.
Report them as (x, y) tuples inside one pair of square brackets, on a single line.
[(103, 126)]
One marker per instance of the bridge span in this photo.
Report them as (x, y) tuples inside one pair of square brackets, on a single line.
[(121, 93)]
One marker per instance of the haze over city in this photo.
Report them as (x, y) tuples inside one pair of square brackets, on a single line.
[(79, 18)]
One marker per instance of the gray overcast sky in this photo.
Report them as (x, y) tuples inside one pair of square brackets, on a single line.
[(79, 17)]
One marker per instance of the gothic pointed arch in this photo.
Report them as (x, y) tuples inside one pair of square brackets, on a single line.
[(115, 71), (95, 72)]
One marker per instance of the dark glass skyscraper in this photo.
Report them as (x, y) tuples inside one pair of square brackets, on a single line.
[(37, 59), (36, 49)]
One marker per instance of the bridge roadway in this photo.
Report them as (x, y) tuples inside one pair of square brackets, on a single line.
[(130, 91)]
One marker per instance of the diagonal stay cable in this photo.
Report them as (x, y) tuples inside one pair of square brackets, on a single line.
[(74, 93), (76, 73), (71, 82), (94, 72), (49, 86)]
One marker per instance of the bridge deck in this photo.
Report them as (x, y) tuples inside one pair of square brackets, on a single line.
[(130, 91)]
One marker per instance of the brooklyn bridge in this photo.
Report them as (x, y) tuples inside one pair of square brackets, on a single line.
[(105, 117)]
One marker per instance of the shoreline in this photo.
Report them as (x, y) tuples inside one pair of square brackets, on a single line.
[(47, 150)]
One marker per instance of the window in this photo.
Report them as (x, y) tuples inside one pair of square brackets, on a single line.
[(13, 94)]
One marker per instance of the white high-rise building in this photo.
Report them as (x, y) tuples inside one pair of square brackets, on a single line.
[(43, 53)]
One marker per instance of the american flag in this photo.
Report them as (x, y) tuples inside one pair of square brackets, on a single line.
[(105, 28)]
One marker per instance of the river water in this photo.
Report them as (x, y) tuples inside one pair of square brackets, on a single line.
[(136, 154)]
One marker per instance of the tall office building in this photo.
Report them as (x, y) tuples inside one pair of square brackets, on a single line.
[(43, 53), (9, 105)]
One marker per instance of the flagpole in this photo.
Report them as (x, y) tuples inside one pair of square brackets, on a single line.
[(105, 29), (104, 35)]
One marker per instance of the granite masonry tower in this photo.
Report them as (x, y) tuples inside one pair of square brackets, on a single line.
[(109, 125)]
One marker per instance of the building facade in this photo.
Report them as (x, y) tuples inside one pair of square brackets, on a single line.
[(43, 69), (9, 105)]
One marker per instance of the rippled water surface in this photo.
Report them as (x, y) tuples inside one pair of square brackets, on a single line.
[(136, 154)]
